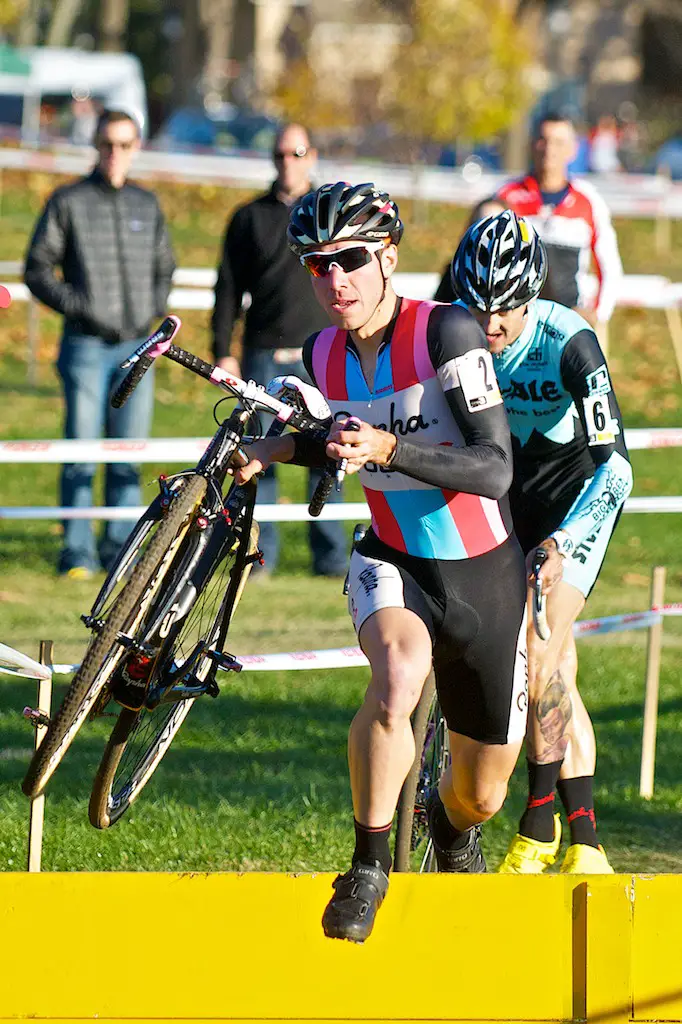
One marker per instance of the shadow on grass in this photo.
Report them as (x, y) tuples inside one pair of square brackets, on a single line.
[(257, 752)]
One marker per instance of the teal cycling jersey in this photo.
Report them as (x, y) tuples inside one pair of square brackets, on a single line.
[(567, 432)]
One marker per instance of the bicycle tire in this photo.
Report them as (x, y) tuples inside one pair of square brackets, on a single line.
[(413, 845), (104, 652), (402, 855), (112, 795)]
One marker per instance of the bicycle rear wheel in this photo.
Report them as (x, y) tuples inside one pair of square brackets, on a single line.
[(124, 615), (140, 739), (413, 847)]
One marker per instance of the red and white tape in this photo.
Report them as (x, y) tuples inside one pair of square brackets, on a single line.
[(352, 657), (267, 513), (188, 449)]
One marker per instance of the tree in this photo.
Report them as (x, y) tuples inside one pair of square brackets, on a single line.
[(113, 21), (463, 75)]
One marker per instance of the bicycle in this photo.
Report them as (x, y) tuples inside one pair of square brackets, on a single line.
[(413, 846), (160, 621)]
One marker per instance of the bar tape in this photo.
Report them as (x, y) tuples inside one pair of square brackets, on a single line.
[(188, 449), (352, 657)]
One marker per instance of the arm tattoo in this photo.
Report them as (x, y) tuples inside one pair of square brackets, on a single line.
[(553, 713)]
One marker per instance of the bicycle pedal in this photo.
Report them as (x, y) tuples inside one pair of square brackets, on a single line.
[(226, 661), (36, 717)]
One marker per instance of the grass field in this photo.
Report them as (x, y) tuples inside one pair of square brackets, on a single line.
[(257, 779)]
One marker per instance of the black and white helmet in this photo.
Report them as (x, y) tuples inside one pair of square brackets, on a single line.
[(500, 264), (339, 211)]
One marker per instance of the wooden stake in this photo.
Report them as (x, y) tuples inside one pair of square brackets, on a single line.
[(672, 316), (37, 812), (663, 230), (653, 673)]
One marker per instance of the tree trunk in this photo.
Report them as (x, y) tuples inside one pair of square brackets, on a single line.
[(63, 19), (29, 24), (113, 22), (189, 54), (216, 17)]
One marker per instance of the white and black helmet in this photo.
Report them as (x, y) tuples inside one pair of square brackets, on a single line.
[(500, 264), (339, 212)]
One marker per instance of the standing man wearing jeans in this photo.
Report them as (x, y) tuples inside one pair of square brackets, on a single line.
[(256, 259), (109, 240)]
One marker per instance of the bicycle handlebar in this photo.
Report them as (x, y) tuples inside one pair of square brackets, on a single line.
[(143, 357), (540, 622), (161, 343), (325, 486)]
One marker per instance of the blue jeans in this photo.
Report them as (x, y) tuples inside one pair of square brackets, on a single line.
[(327, 540), (89, 368)]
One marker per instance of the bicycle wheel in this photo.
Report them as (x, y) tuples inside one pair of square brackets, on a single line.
[(123, 615), (413, 847), (140, 739)]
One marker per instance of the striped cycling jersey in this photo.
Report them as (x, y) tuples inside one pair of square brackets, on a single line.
[(577, 232), (433, 386)]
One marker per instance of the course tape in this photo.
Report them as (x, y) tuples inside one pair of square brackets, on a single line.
[(352, 657), (268, 513), (188, 449)]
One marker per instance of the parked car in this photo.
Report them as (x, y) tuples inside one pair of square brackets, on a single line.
[(38, 85), (229, 129)]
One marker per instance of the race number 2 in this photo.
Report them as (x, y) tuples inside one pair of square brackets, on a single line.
[(477, 378)]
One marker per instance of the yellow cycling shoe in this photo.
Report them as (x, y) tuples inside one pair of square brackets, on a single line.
[(529, 856), (585, 860)]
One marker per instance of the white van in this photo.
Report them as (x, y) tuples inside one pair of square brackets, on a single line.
[(39, 83)]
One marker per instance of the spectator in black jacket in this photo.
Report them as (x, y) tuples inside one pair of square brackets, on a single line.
[(109, 240), (282, 313)]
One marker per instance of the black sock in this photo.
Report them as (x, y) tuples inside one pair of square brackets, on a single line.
[(537, 821), (443, 832), (576, 796), (371, 845)]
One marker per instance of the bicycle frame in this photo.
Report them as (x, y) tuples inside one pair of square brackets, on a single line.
[(203, 549)]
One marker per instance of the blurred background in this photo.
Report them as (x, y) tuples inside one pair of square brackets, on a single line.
[(438, 81)]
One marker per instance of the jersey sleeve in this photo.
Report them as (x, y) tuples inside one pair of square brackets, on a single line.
[(307, 451), (585, 376), (483, 466)]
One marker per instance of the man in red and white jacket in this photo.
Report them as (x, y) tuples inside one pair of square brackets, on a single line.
[(573, 221)]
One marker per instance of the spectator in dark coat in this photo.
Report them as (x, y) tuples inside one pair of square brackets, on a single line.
[(109, 241), (282, 313)]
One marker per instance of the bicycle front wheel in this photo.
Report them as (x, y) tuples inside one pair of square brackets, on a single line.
[(105, 651), (141, 738)]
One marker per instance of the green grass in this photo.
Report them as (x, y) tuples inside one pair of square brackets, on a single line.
[(257, 779)]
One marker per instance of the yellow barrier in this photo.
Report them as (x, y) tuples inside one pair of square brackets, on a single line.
[(134, 947)]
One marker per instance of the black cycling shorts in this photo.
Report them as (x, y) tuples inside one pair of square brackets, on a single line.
[(474, 610)]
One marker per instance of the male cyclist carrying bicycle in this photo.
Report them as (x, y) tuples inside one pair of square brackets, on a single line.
[(571, 478), (439, 578)]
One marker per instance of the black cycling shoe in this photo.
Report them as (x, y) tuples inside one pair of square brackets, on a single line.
[(467, 859), (358, 895)]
